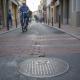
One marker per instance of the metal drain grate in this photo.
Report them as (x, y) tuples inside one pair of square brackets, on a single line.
[(43, 67)]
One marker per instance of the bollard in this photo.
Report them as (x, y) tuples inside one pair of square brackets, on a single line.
[(16, 23), (52, 21), (59, 22)]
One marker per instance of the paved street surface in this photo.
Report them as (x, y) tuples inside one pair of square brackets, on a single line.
[(39, 41)]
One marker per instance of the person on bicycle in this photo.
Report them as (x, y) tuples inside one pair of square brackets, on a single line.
[(24, 13)]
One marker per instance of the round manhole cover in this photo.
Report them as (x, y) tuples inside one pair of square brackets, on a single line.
[(43, 67)]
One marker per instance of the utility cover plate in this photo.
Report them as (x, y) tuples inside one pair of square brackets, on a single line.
[(43, 67)]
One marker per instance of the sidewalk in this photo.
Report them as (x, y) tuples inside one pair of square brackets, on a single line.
[(4, 30), (74, 31)]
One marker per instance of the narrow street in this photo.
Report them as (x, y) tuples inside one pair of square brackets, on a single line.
[(39, 41)]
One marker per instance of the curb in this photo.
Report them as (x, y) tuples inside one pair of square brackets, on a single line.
[(64, 31), (9, 31)]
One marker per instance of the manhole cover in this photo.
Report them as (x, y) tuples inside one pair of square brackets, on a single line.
[(43, 67)]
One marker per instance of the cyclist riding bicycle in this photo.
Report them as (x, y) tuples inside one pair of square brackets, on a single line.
[(24, 15)]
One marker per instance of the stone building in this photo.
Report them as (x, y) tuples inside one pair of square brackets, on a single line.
[(3, 13), (69, 10), (5, 5), (13, 6)]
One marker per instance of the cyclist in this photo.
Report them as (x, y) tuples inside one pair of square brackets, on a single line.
[(24, 13)]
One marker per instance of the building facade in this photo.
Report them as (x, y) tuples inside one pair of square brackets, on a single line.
[(65, 11), (42, 10), (48, 7), (5, 5), (74, 13), (13, 6), (3, 13), (68, 10)]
